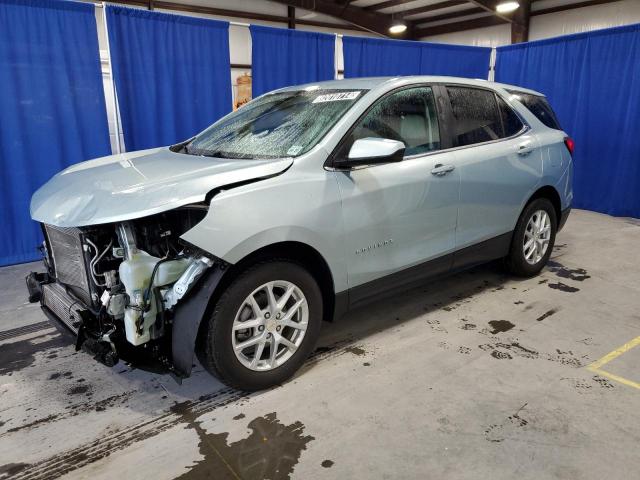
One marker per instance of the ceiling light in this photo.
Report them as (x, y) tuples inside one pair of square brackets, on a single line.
[(507, 7), (397, 26)]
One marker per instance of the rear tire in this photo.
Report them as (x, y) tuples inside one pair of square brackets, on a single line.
[(533, 238), (254, 298)]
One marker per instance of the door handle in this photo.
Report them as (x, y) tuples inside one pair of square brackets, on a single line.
[(440, 170), (525, 149)]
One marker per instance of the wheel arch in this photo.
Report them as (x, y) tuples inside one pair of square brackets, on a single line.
[(549, 192), (187, 331), (298, 252)]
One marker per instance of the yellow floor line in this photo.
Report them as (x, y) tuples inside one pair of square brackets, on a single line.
[(616, 378), (595, 366), (616, 353)]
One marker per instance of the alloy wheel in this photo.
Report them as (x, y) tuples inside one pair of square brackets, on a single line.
[(537, 235), (270, 325)]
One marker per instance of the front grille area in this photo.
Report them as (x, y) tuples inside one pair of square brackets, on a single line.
[(68, 259), (56, 299)]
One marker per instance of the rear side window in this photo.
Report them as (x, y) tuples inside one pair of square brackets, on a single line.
[(510, 121), (476, 114), (540, 107)]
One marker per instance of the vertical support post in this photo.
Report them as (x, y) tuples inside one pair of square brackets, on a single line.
[(291, 16), (492, 65), (116, 113), (150, 4), (520, 24)]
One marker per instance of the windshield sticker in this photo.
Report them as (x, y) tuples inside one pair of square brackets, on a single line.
[(294, 150), (335, 97)]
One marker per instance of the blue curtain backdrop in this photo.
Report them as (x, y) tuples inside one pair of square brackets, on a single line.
[(282, 57), (371, 57), (593, 82), (52, 108), (172, 74)]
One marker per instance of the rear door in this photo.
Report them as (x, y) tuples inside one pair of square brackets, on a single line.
[(499, 163), (399, 215)]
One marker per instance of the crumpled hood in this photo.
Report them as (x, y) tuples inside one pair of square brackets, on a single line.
[(138, 184)]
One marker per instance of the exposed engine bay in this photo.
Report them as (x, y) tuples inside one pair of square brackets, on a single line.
[(115, 286)]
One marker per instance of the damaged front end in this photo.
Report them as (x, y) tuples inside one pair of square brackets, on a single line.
[(117, 286)]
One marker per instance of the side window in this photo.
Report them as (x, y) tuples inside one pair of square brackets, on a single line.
[(510, 121), (540, 107), (408, 116), (476, 115)]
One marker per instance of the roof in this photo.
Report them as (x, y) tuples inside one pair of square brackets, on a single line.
[(370, 83)]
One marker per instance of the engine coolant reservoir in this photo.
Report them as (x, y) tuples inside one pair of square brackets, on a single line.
[(135, 275)]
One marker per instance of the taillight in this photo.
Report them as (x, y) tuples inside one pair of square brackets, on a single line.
[(568, 141)]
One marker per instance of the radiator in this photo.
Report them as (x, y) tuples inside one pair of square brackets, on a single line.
[(68, 259)]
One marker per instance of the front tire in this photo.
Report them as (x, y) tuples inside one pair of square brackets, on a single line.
[(263, 327), (533, 238)]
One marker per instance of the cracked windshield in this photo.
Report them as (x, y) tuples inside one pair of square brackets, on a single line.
[(285, 124)]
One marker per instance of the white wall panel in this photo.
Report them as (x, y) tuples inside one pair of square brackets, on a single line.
[(584, 19), (478, 37)]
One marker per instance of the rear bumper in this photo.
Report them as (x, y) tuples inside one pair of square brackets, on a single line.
[(564, 215)]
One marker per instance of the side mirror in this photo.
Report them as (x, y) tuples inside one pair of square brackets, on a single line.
[(371, 151)]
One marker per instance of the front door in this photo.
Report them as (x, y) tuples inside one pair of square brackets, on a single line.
[(399, 215)]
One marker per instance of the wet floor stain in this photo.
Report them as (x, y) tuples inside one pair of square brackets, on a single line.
[(584, 386), (504, 351), (501, 355), (547, 314), (75, 410), (499, 326), (21, 354), (359, 351), (270, 452), (435, 325), (327, 463), (603, 382), (35, 423), (498, 432), (11, 469), (577, 274), (78, 390), (563, 287)]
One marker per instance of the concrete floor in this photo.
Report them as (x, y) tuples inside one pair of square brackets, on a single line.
[(476, 376)]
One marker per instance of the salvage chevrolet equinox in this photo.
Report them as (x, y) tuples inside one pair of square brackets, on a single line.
[(235, 244)]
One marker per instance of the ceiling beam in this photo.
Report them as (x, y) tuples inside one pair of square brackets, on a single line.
[(488, 21), (223, 12), (387, 4), (449, 16), (433, 7), (571, 6), (371, 21)]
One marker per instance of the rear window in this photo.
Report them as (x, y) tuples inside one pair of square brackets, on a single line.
[(539, 107)]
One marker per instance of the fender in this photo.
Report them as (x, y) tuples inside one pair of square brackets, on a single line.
[(188, 315)]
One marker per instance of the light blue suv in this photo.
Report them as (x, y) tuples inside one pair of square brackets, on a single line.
[(306, 202)]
